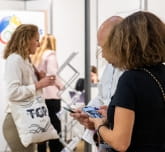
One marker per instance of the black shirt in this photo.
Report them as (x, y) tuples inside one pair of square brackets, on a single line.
[(138, 91)]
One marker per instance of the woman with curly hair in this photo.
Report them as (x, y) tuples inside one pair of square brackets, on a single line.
[(136, 114), (20, 78)]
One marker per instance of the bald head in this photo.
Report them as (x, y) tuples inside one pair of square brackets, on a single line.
[(105, 29)]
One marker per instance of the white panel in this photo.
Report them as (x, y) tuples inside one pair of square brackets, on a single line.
[(157, 7), (109, 8), (68, 28), (6, 4)]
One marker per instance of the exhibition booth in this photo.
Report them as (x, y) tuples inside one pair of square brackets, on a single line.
[(72, 22)]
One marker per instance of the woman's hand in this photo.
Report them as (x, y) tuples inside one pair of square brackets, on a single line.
[(41, 74), (83, 119), (97, 121), (103, 111), (45, 82)]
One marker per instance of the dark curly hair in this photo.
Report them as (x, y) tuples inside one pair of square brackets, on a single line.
[(138, 41)]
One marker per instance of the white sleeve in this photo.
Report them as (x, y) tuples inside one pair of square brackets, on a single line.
[(97, 101), (103, 88), (16, 91), (103, 98), (116, 76), (88, 136)]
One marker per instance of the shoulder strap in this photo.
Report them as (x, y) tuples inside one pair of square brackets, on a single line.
[(157, 81)]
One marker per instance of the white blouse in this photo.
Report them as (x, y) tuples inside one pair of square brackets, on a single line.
[(19, 80)]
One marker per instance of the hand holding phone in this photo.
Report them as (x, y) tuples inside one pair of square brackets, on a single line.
[(69, 109), (92, 111)]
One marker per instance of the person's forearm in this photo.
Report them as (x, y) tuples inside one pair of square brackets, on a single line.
[(113, 139), (38, 86)]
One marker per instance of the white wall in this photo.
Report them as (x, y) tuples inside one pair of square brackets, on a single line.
[(68, 27), (40, 5), (157, 7), (109, 8), (7, 4)]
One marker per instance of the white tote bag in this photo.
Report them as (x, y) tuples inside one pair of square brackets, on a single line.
[(32, 121)]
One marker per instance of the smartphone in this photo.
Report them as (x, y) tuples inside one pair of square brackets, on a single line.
[(92, 111), (69, 109)]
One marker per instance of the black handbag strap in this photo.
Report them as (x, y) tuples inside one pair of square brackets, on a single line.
[(157, 81)]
